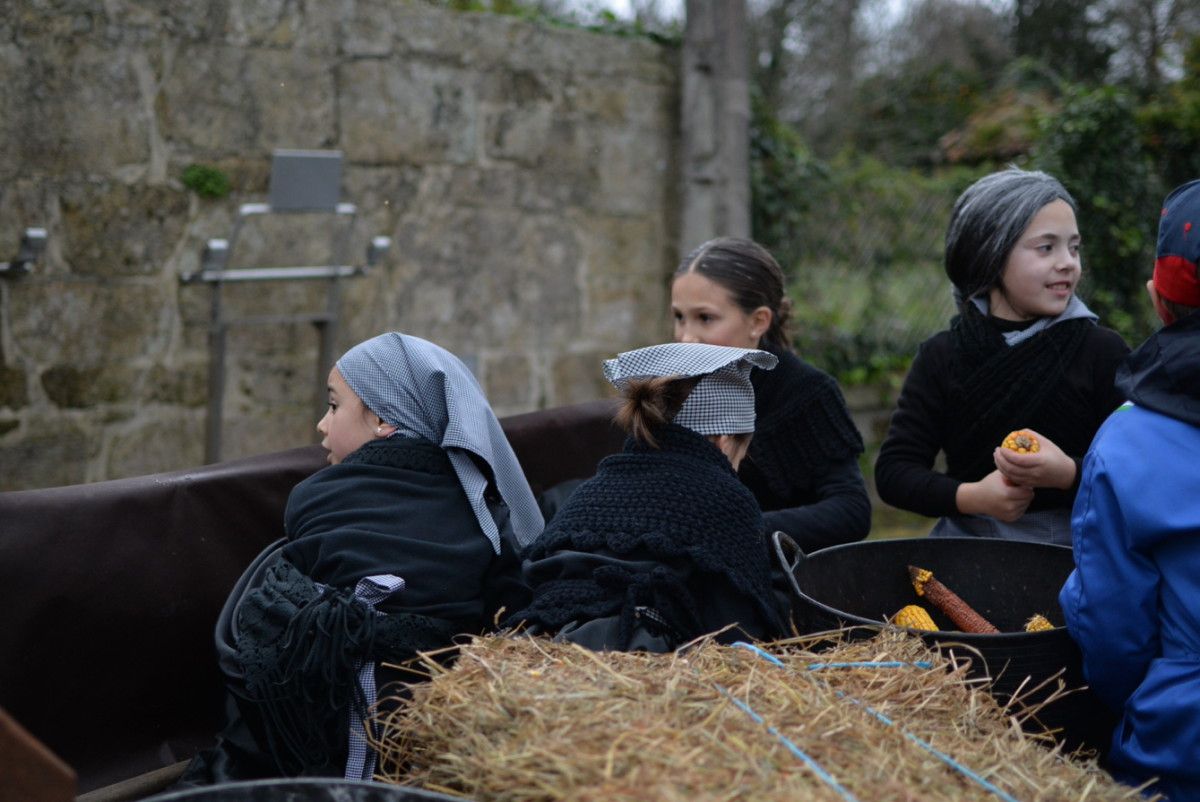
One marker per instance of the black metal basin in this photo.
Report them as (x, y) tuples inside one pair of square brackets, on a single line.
[(864, 584)]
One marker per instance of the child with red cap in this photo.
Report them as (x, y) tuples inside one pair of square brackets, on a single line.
[(1133, 601)]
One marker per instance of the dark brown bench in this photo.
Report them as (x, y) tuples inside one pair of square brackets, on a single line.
[(109, 591)]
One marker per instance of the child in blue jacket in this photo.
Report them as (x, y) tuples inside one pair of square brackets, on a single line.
[(1133, 601)]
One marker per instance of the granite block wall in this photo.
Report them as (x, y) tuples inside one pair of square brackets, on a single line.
[(527, 175)]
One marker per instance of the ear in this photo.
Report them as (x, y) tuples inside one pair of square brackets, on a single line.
[(384, 429), (760, 321), (1164, 314)]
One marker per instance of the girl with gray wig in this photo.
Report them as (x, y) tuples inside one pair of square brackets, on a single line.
[(987, 221), (1024, 352)]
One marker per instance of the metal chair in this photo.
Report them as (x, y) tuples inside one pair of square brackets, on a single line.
[(302, 181)]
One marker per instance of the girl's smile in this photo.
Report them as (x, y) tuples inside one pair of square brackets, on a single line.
[(1043, 268)]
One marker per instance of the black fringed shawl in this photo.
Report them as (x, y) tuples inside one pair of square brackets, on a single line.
[(300, 645), (393, 506), (675, 506)]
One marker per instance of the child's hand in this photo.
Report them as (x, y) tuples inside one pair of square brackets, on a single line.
[(1047, 467), (994, 495)]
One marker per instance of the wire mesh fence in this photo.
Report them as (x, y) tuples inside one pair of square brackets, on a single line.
[(869, 286)]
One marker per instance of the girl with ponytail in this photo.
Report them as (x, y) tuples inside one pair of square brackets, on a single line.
[(663, 544)]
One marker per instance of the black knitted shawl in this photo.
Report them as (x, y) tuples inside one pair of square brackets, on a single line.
[(299, 645), (998, 386), (680, 500), (801, 425), (394, 506)]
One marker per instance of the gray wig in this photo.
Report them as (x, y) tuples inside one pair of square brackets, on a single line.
[(988, 219)]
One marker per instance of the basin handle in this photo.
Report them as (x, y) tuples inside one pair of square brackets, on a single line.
[(790, 556)]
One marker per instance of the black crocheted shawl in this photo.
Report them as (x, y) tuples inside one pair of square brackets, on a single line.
[(998, 386), (801, 425), (678, 502), (299, 645)]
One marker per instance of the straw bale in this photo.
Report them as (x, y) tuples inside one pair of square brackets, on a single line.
[(521, 719)]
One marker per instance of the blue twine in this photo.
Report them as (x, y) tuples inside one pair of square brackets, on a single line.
[(819, 666), (871, 664), (928, 747), (942, 756), (823, 775)]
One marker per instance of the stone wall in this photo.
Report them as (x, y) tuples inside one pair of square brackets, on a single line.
[(525, 173)]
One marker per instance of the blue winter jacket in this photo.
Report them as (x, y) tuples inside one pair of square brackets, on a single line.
[(1133, 601)]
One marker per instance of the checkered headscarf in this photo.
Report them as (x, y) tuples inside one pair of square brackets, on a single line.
[(425, 391), (721, 403)]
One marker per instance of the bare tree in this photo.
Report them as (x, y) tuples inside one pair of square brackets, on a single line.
[(1149, 38), (808, 56), (963, 34)]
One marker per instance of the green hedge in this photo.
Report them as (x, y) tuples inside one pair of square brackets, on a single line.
[(861, 243)]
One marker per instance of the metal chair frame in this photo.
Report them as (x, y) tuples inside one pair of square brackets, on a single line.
[(295, 197)]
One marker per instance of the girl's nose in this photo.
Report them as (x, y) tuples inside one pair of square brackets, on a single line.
[(321, 423), (687, 335)]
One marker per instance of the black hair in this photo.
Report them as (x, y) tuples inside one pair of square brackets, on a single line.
[(751, 275), (988, 219)]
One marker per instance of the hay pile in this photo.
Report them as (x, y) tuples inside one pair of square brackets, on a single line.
[(526, 719)]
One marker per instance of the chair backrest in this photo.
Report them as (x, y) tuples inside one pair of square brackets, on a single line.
[(110, 591), (305, 180)]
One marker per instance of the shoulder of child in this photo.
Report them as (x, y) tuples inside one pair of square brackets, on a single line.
[(1109, 338), (935, 349), (1105, 347)]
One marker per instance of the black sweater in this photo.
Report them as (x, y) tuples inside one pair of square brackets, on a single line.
[(802, 466), (931, 399)]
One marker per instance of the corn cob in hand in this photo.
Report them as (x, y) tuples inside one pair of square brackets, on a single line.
[(1022, 441), (948, 602)]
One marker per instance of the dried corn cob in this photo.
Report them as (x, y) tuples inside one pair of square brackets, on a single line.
[(949, 602), (1022, 441), (914, 616), (1038, 623)]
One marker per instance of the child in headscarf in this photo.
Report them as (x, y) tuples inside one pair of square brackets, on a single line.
[(663, 544), (407, 539)]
